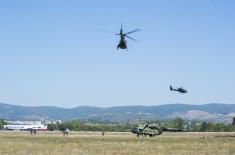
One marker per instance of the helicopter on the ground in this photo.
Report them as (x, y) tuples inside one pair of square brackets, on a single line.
[(181, 89), (152, 129), (122, 43)]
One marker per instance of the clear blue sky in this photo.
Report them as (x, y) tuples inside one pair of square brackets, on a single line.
[(51, 53)]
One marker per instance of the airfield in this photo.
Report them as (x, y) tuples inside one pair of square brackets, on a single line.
[(115, 143)]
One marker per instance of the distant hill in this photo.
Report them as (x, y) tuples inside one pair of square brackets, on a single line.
[(209, 112)]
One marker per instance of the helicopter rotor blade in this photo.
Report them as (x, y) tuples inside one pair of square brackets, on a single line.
[(130, 38), (136, 30), (105, 31), (121, 30)]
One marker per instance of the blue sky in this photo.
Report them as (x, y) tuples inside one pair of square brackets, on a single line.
[(51, 53)]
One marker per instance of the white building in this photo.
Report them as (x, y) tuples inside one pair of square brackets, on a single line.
[(25, 125), (24, 122)]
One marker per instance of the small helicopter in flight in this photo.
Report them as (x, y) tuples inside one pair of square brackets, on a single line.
[(181, 89), (122, 43)]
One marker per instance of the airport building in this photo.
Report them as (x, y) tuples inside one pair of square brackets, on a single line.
[(25, 125)]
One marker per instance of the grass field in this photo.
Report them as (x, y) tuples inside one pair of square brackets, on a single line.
[(92, 143)]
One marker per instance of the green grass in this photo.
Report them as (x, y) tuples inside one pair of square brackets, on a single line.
[(89, 143)]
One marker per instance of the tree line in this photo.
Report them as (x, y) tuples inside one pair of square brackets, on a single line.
[(195, 126), (80, 125), (96, 125)]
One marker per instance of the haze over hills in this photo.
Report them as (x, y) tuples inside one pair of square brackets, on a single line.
[(207, 112)]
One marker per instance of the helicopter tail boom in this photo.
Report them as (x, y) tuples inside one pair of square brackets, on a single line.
[(172, 130)]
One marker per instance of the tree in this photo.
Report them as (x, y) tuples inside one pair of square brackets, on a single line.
[(2, 123), (62, 126), (204, 127), (52, 127), (233, 120), (178, 123)]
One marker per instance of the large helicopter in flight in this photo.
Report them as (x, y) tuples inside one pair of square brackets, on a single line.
[(122, 43), (181, 89)]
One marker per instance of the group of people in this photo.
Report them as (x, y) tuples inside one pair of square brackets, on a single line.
[(65, 132), (33, 131)]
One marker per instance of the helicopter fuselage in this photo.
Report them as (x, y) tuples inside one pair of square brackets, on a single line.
[(122, 43), (152, 129), (181, 90)]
